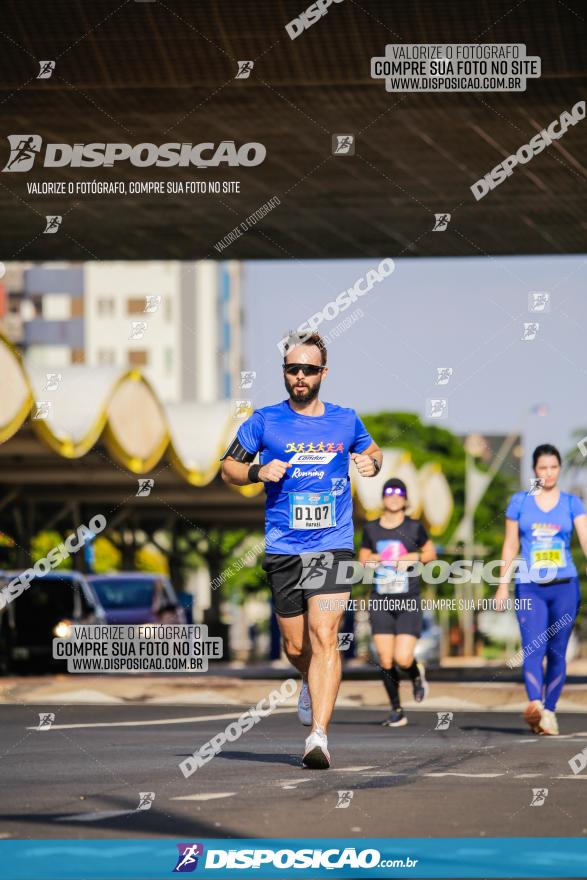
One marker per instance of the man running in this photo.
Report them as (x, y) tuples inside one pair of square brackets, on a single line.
[(304, 447)]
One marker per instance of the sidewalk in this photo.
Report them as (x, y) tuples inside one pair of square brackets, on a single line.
[(491, 689)]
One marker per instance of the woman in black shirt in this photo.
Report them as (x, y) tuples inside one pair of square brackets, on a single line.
[(394, 606)]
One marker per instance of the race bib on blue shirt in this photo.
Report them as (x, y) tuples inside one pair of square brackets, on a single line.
[(311, 510)]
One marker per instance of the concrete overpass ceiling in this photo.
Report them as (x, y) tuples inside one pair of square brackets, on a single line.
[(165, 71)]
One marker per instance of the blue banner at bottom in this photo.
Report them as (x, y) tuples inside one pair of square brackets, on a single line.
[(463, 857)]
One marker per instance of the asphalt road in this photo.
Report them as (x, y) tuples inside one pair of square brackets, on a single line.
[(82, 778)]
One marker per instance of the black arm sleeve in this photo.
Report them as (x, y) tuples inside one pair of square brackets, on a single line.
[(237, 451)]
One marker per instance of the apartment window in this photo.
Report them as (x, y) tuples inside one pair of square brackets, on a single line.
[(77, 306), (138, 358), (106, 356), (105, 306), (135, 306), (56, 307)]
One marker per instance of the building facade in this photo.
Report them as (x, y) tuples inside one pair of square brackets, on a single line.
[(178, 322)]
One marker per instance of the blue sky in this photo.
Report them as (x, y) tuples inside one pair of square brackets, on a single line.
[(465, 313)]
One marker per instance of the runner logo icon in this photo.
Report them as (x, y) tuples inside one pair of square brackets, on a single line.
[(343, 145), (46, 69), (46, 719), (187, 859), (146, 799), (441, 222), (443, 375), (23, 151), (314, 568), (344, 800), (53, 222), (444, 719), (247, 379), (244, 69), (53, 381), (530, 330), (539, 795), (539, 301)]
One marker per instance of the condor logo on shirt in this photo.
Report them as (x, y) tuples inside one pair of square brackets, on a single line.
[(312, 457), (545, 530), (313, 453)]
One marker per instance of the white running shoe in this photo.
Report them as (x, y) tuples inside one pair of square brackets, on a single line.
[(548, 723), (533, 715), (316, 755), (305, 705)]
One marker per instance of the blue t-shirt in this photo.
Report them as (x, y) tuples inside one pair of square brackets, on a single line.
[(311, 507), (545, 537)]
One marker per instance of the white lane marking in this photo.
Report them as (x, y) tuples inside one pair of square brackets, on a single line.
[(582, 734), (204, 797), (95, 817), (574, 737), (83, 696), (189, 720), (578, 776), (355, 769), (390, 773), (293, 783), (467, 775)]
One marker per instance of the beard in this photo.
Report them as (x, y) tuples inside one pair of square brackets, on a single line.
[(309, 393)]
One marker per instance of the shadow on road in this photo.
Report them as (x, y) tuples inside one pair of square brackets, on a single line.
[(514, 731), (147, 823), (262, 758)]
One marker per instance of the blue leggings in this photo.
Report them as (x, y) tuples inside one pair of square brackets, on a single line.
[(553, 606)]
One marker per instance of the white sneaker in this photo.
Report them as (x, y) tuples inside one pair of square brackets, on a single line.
[(316, 755), (533, 715), (548, 723), (305, 705)]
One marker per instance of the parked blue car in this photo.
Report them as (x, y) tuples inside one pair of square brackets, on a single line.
[(137, 597)]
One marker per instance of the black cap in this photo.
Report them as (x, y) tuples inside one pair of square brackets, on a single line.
[(394, 483)]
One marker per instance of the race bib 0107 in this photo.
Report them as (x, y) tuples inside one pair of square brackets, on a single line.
[(311, 510)]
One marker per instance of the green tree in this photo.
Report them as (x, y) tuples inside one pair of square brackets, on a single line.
[(45, 541), (431, 443), (108, 556)]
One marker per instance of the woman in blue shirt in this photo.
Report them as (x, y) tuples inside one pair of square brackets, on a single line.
[(543, 521)]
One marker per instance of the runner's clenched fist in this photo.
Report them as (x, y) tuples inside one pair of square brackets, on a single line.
[(274, 471), (365, 464)]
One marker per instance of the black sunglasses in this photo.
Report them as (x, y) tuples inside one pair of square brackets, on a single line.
[(307, 369)]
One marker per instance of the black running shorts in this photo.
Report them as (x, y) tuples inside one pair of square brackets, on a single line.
[(395, 615), (293, 579)]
